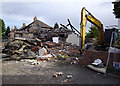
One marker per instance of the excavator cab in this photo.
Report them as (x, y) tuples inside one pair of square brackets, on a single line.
[(108, 34)]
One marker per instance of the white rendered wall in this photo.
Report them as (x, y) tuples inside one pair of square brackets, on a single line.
[(73, 38)]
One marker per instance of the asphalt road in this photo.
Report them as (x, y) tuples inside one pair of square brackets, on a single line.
[(16, 72)]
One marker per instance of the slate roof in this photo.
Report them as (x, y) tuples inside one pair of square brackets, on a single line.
[(37, 23), (42, 24)]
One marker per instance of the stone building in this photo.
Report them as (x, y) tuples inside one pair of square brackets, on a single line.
[(36, 29), (44, 32)]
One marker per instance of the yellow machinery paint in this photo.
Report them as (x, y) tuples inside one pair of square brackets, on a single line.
[(93, 20), (83, 27)]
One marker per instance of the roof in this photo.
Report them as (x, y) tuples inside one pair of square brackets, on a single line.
[(42, 24), (37, 23)]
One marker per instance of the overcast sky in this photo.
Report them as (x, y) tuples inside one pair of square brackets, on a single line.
[(52, 11)]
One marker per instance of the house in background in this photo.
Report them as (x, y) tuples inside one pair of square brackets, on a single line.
[(12, 32), (36, 29)]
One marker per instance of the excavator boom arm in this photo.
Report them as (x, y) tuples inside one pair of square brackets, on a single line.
[(83, 27), (93, 20)]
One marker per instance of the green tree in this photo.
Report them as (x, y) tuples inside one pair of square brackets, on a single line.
[(2, 27), (116, 9), (7, 31), (56, 26), (93, 32)]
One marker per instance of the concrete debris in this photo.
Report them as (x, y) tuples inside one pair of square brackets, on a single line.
[(68, 76), (55, 75), (21, 49), (5, 55), (36, 48), (35, 63), (67, 80), (58, 74), (42, 51), (39, 42), (74, 62), (23, 60), (18, 49), (50, 44), (56, 39), (31, 62), (45, 57)]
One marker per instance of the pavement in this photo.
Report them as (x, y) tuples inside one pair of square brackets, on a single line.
[(16, 72)]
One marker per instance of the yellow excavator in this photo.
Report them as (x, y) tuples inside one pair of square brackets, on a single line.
[(86, 15)]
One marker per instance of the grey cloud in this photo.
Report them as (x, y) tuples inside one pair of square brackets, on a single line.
[(51, 12)]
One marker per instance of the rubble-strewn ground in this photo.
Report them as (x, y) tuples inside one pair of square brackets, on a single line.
[(64, 58), (17, 72)]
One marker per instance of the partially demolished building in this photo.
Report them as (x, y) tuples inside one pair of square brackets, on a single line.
[(36, 29), (42, 31)]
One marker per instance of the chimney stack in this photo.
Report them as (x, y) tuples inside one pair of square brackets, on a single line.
[(24, 25), (15, 27), (12, 29), (35, 18)]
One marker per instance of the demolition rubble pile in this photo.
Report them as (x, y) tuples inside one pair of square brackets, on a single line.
[(50, 51), (42, 51), (18, 49)]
